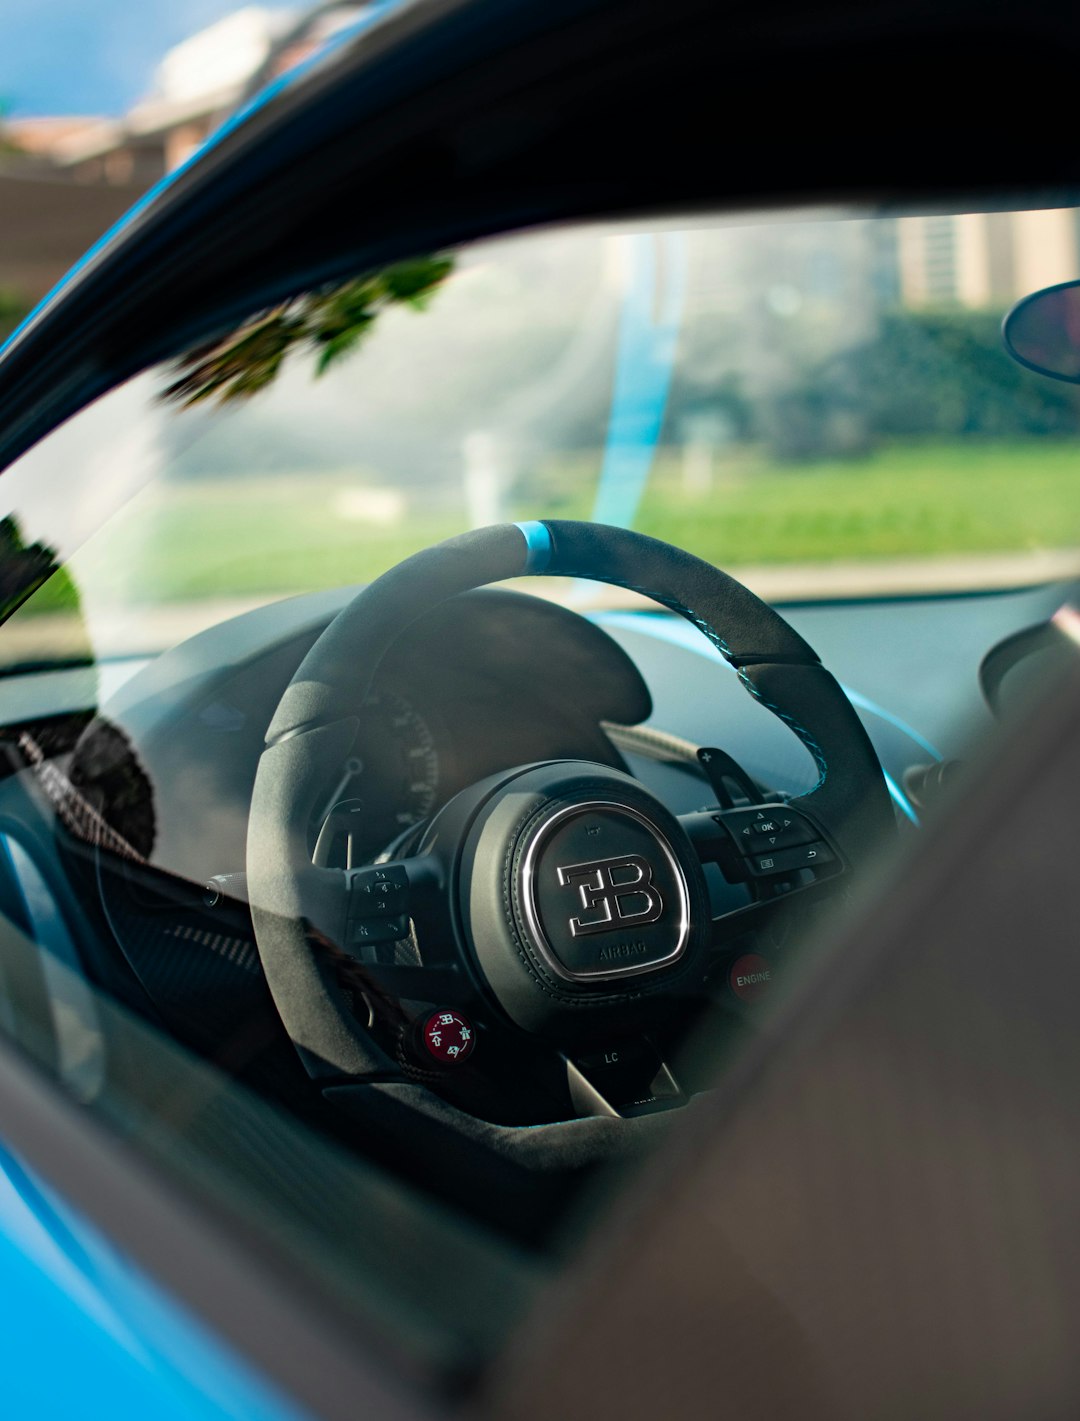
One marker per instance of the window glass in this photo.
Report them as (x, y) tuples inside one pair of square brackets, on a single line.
[(819, 404)]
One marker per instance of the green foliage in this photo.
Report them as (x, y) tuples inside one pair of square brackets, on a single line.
[(8, 149), (331, 321), (906, 499), (927, 374), (29, 573), (13, 308), (947, 373)]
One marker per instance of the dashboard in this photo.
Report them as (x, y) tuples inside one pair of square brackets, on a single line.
[(492, 680)]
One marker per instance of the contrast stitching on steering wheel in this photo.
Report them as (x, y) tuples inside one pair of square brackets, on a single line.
[(800, 730), (722, 647)]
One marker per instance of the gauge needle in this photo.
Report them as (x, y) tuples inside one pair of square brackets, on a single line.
[(353, 767)]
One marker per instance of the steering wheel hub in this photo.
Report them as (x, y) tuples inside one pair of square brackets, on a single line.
[(602, 892), (579, 894)]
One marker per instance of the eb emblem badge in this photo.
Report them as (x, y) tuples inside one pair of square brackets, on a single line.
[(614, 893)]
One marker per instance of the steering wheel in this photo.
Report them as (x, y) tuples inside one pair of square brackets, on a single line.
[(560, 902)]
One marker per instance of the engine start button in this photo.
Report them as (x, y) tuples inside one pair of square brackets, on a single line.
[(448, 1037), (751, 977)]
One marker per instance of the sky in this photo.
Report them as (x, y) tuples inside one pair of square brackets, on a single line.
[(93, 56)]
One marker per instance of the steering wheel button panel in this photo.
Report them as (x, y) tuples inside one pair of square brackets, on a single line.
[(763, 865), (379, 890), (378, 903), (772, 826), (378, 929)]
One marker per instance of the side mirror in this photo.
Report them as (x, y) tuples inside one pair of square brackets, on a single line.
[(1043, 332)]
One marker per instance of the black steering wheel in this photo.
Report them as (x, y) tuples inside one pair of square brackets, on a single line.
[(560, 903)]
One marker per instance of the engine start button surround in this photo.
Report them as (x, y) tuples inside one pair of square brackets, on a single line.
[(751, 977)]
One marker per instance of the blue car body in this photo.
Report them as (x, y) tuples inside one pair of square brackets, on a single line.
[(127, 1348)]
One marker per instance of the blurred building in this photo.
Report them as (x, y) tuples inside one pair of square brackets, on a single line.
[(65, 180), (986, 259), (47, 224), (196, 85)]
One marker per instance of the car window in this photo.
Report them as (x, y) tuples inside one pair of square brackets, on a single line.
[(818, 404)]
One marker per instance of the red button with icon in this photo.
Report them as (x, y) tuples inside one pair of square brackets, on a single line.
[(750, 977), (448, 1037)]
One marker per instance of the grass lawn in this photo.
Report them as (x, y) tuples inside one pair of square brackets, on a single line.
[(242, 538), (906, 501)]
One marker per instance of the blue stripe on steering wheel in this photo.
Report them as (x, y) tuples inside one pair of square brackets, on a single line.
[(538, 546)]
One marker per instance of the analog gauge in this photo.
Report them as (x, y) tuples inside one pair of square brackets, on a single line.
[(416, 765), (390, 782)]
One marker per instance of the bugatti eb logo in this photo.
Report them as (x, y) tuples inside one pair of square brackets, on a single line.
[(614, 893)]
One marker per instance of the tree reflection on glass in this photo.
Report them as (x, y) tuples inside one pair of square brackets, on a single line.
[(330, 321), (26, 567)]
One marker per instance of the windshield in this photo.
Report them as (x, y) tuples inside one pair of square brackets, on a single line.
[(822, 406)]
